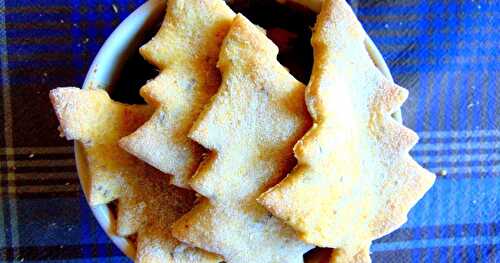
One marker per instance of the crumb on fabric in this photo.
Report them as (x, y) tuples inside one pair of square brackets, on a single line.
[(442, 172)]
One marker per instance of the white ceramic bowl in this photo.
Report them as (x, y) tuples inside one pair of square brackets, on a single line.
[(104, 72)]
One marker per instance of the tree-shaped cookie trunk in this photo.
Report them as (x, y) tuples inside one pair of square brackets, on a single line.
[(355, 180), (147, 204), (185, 49), (250, 126)]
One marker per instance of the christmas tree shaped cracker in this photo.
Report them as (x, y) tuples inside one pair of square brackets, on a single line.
[(185, 49), (250, 126), (147, 205), (355, 180)]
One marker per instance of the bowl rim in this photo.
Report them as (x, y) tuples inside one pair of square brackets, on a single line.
[(103, 73)]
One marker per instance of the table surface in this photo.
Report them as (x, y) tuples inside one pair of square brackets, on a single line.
[(444, 52)]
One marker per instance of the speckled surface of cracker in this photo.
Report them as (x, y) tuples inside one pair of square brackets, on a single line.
[(185, 49), (250, 127), (355, 180), (92, 118), (147, 204)]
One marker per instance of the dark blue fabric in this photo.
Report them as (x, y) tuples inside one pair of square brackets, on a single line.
[(444, 52)]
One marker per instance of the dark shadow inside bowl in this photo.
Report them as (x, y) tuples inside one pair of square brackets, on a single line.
[(289, 27)]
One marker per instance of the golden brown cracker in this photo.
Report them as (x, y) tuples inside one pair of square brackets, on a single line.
[(84, 115), (149, 210), (147, 205), (355, 180), (185, 49), (250, 126)]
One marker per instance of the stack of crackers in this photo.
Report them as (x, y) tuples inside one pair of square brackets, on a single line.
[(233, 159)]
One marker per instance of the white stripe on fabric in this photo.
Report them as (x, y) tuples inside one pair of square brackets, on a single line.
[(458, 158), (450, 170), (457, 146), (472, 169), (459, 134), (431, 243)]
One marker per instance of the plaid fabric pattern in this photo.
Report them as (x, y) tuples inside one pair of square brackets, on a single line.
[(444, 52)]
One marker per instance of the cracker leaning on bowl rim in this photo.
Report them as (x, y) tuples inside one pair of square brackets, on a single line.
[(355, 158), (250, 126), (147, 204), (185, 49)]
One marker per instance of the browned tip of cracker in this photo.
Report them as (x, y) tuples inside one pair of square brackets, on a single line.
[(70, 107)]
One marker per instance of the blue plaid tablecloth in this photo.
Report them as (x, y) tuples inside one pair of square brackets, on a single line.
[(444, 52)]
